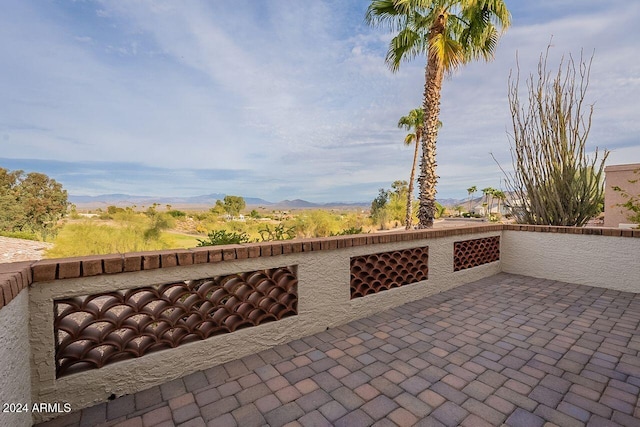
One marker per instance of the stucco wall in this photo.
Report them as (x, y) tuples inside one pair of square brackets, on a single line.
[(619, 175), (323, 301), (15, 369), (603, 261)]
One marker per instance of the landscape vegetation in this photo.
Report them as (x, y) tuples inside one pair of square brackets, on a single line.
[(36, 207)]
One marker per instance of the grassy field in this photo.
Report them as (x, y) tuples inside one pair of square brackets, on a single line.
[(180, 240), (119, 230)]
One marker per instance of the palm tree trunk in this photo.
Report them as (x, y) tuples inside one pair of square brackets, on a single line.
[(428, 179), (409, 218)]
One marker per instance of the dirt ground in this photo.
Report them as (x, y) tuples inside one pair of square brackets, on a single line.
[(14, 250)]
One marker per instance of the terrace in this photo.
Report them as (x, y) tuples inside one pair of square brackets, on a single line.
[(521, 325)]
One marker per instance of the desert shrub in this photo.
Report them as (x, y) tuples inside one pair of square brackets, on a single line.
[(279, 232), (316, 223), (223, 237), (554, 181), (348, 231), (88, 238), (176, 213)]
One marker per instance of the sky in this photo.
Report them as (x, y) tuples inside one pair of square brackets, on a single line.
[(278, 99)]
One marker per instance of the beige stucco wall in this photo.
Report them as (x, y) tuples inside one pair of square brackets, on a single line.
[(619, 175), (323, 301), (603, 261), (15, 369)]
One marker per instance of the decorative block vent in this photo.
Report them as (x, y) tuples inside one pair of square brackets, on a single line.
[(374, 273), (95, 330), (472, 253)]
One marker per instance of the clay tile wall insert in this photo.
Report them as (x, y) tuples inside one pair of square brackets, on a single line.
[(95, 330), (472, 253), (374, 273)]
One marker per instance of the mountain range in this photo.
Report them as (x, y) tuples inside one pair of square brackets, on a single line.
[(122, 200), (202, 200)]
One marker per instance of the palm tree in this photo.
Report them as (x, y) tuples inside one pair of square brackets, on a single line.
[(451, 33), (488, 192), (414, 120), (501, 196), (471, 191)]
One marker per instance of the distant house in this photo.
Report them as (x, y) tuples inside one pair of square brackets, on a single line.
[(626, 177), (483, 209)]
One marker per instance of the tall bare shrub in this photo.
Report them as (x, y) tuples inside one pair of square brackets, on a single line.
[(554, 181)]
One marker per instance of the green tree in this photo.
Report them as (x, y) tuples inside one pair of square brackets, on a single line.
[(451, 33), (159, 222), (500, 196), (487, 193), (471, 191), (31, 203), (11, 212), (397, 203), (233, 205), (413, 121), (218, 209), (379, 212)]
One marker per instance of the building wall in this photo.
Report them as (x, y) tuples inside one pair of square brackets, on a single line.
[(15, 369), (594, 260), (619, 175)]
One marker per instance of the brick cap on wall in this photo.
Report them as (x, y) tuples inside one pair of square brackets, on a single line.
[(15, 277)]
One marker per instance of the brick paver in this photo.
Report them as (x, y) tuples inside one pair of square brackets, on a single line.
[(506, 350)]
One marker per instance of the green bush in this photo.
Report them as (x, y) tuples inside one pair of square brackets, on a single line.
[(177, 214), (223, 237), (279, 232), (348, 231)]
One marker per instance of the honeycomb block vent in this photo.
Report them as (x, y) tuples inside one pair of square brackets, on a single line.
[(95, 330), (379, 272), (472, 253)]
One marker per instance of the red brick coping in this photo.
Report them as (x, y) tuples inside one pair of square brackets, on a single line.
[(14, 277)]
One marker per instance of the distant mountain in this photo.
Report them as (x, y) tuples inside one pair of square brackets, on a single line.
[(254, 201), (206, 199), (298, 203), (455, 202)]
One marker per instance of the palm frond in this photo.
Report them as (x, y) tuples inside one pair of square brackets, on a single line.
[(404, 47), (447, 51), (410, 139), (385, 14)]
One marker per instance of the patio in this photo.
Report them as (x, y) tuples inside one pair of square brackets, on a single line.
[(505, 349)]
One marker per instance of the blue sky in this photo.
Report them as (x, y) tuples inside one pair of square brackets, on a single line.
[(277, 98)]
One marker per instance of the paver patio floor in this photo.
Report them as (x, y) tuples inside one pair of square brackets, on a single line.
[(507, 349)]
